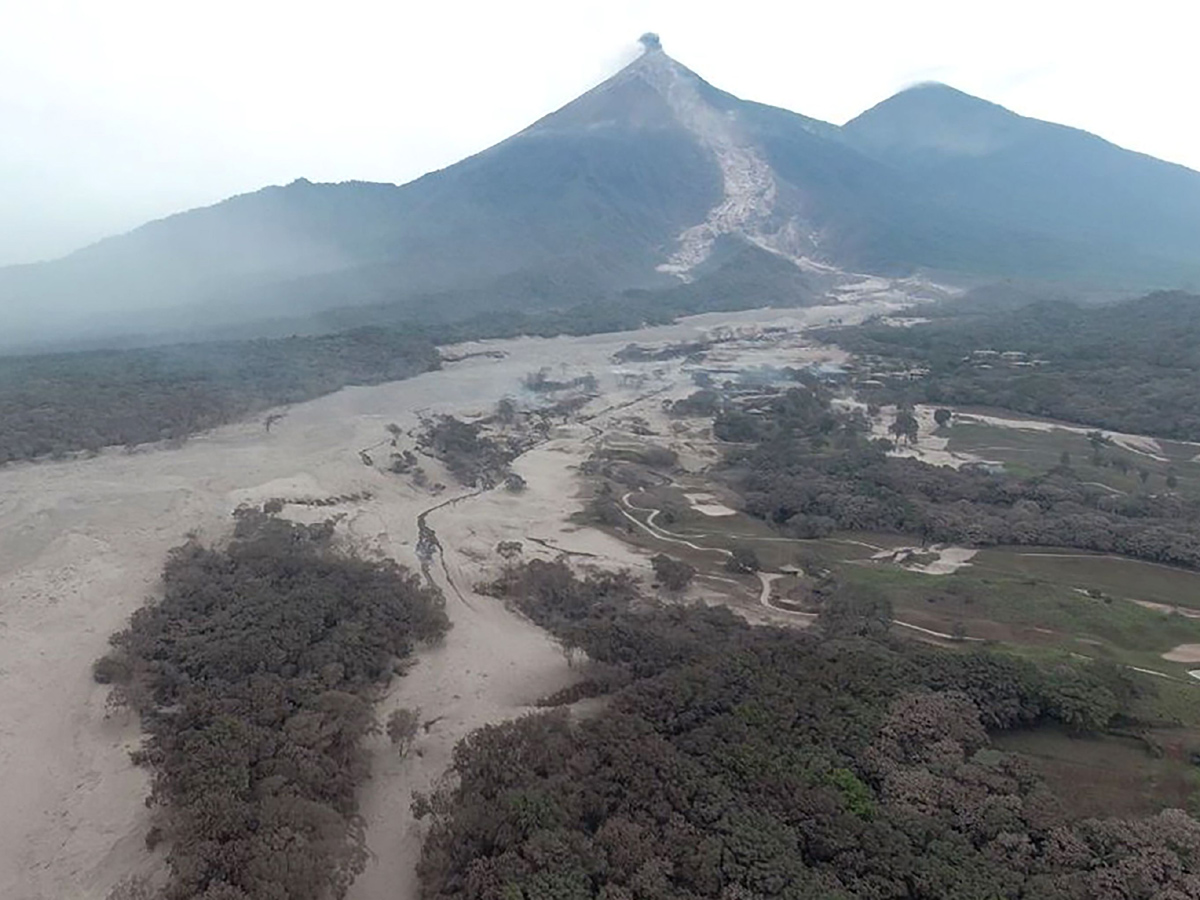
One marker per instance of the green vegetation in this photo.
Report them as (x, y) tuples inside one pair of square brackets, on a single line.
[(741, 762), (1094, 456), (1106, 575), (811, 469), (254, 677), (1020, 598), (1130, 367), (1004, 606), (1109, 775)]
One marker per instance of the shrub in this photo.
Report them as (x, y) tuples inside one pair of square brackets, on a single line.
[(675, 575)]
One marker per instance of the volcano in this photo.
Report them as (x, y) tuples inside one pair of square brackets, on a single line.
[(649, 180)]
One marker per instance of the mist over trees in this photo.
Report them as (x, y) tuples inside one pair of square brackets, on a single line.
[(52, 405), (56, 404)]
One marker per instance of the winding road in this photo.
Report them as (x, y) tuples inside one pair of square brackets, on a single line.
[(765, 579)]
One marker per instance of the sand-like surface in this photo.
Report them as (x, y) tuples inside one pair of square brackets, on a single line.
[(708, 505), (82, 544), (1184, 653), (1134, 443), (932, 441), (1168, 608), (947, 560)]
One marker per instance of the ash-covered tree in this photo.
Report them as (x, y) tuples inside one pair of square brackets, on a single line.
[(742, 561), (673, 574), (254, 677), (905, 427), (738, 763), (402, 727)]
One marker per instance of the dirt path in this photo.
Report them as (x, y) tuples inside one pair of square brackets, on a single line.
[(765, 579), (764, 599)]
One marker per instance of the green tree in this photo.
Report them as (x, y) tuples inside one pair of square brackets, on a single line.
[(855, 610)]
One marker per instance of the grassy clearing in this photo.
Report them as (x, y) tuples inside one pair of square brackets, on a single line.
[(1108, 775), (1010, 609), (1173, 704), (1030, 611), (1027, 453), (1036, 602), (1127, 578)]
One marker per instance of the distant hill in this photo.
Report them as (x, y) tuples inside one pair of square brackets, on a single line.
[(630, 187), (1022, 174)]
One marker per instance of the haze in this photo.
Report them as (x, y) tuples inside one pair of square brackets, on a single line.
[(117, 113)]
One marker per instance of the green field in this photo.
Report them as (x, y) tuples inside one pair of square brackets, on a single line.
[(980, 602), (1045, 604), (1110, 775), (1044, 598), (1027, 453), (1112, 575)]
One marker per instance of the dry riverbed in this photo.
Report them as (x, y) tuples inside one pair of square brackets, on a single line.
[(82, 544)]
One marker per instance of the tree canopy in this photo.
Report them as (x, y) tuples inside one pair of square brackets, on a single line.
[(758, 763), (254, 677)]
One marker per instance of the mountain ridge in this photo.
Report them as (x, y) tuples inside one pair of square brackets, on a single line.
[(629, 186)]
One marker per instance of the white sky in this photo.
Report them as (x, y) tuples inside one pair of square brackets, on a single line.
[(113, 112)]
